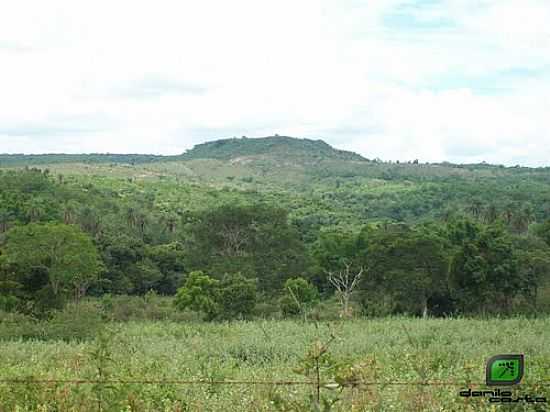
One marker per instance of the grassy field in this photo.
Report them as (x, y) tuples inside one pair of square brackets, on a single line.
[(383, 350)]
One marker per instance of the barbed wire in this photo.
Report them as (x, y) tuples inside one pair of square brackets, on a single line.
[(250, 382)]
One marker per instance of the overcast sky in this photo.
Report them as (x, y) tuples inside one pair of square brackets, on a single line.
[(457, 80)]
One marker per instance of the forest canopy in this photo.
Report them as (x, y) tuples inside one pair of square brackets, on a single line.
[(420, 239)]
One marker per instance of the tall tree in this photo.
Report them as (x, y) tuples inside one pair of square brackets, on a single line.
[(255, 240), (484, 271), (67, 254)]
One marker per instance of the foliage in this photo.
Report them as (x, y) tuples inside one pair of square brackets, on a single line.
[(199, 293), (231, 298), (299, 295), (255, 240), (272, 145), (373, 350), (484, 272), (62, 255), (279, 207)]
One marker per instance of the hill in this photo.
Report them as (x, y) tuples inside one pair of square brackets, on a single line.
[(273, 146), (321, 186), (224, 149)]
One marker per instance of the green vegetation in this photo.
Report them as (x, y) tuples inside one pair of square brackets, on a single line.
[(275, 230), (275, 146), (423, 239), (367, 350)]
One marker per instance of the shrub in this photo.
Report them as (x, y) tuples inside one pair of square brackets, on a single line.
[(231, 298), (236, 296), (299, 296), (199, 293), (77, 321)]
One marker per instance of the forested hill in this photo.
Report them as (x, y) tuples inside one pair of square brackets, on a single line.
[(223, 149), (320, 186), (272, 146), (273, 209)]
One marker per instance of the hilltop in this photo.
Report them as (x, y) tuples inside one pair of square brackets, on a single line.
[(275, 146)]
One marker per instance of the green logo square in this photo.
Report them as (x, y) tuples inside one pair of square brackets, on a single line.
[(504, 370)]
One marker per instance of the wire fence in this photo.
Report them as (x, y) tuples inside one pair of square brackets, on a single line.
[(16, 381)]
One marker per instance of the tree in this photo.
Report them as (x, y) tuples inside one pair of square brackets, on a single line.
[(236, 296), (89, 220), (334, 250), (170, 222), (299, 294), (36, 210), (345, 281), (543, 231), (200, 294), (521, 220), (6, 217), (484, 271), (255, 240), (169, 259), (68, 256), (232, 297), (533, 256), (70, 209), (407, 268)]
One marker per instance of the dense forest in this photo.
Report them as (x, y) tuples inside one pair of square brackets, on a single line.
[(290, 222)]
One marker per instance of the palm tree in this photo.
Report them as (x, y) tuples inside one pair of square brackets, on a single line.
[(35, 210), (491, 214), (5, 219), (523, 218), (141, 222), (475, 208), (131, 216), (69, 212), (170, 222), (508, 213), (89, 220)]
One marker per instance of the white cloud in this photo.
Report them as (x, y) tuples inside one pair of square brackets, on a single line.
[(161, 76)]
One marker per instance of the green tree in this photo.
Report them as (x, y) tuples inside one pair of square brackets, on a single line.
[(236, 296), (68, 256), (6, 216), (200, 294), (543, 231), (255, 240), (484, 272), (407, 269), (533, 256), (169, 259), (299, 295)]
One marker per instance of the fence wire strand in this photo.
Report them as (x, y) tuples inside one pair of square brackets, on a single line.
[(16, 381)]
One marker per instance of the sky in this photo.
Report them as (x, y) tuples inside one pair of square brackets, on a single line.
[(435, 80)]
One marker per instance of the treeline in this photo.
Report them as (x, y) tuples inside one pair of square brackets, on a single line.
[(61, 241), (12, 160)]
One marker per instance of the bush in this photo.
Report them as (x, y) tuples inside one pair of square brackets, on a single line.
[(76, 322), (233, 297), (8, 303), (266, 309), (16, 325), (199, 293), (237, 296), (123, 308), (300, 295)]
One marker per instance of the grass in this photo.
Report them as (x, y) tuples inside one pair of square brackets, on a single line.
[(392, 349)]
